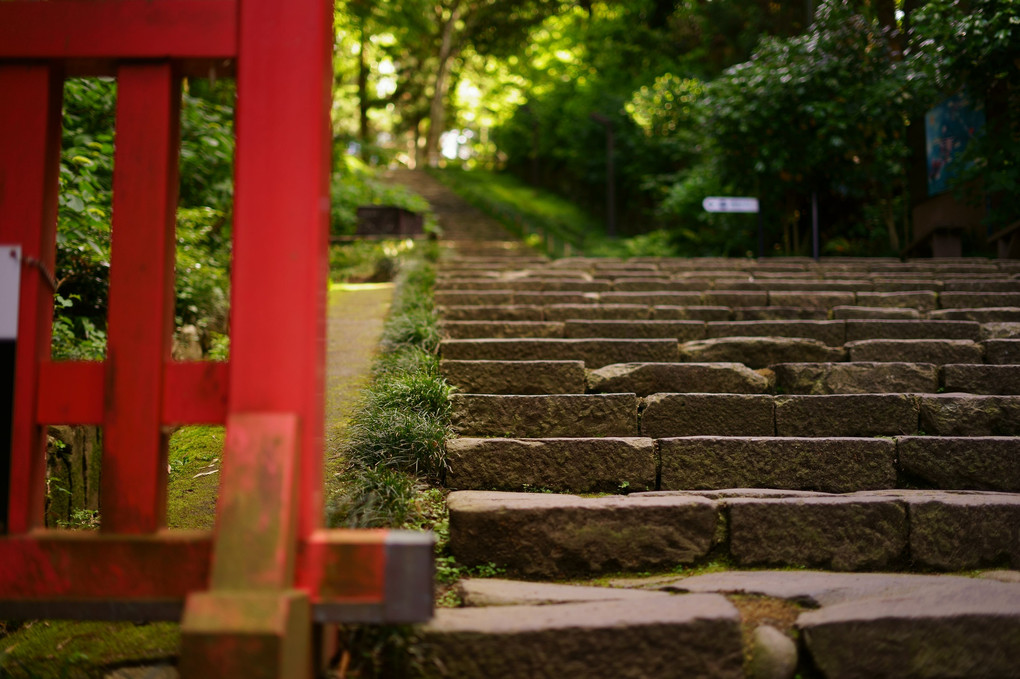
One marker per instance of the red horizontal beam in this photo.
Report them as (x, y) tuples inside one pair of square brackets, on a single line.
[(124, 29), (72, 392)]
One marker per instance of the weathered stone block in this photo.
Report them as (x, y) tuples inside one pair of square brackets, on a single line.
[(778, 313), (937, 351), (490, 313), (653, 298), (917, 329), (482, 329), (538, 535), (985, 315), (575, 415), (970, 463), (970, 415), (832, 333), (623, 312), (1000, 352), (677, 637), (866, 312), (736, 298), (981, 379), (838, 533), (665, 415), (920, 300), (961, 531), (814, 300), (835, 465), (594, 352), (856, 378), (971, 300), (585, 465), (846, 415), (759, 352), (691, 313), (473, 297), (682, 331), (644, 379), (515, 377)]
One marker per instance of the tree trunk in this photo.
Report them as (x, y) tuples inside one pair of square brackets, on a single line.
[(437, 106), (363, 102)]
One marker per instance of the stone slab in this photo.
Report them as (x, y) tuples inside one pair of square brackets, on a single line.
[(473, 297), (541, 416), (981, 379), (502, 312), (675, 637), (920, 300), (645, 379), (843, 533), (595, 353), (835, 465), (968, 629), (682, 331), (1000, 352), (515, 329), (778, 313), (962, 463), (856, 378), (622, 312), (917, 329), (969, 415), (866, 312), (937, 351), (540, 535), (964, 531), (666, 312), (477, 592), (576, 465), (846, 415), (545, 298), (971, 300), (814, 300), (984, 315), (1000, 330), (515, 377), (665, 415), (736, 298), (759, 352), (653, 298), (832, 333)]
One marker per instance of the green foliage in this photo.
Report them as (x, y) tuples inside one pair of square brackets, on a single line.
[(354, 184), (203, 269), (396, 441), (524, 210)]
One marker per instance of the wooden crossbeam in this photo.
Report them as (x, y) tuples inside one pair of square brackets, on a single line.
[(348, 575), (118, 29)]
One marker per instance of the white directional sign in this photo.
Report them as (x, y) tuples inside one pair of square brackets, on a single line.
[(730, 204)]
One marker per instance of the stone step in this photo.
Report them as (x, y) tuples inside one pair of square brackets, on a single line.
[(645, 379), (553, 415), (874, 313), (594, 352), (831, 333), (937, 351), (682, 331), (886, 625), (516, 377), (866, 377), (577, 465), (539, 535), (662, 636), (979, 379), (500, 329), (984, 315), (761, 352), (825, 464)]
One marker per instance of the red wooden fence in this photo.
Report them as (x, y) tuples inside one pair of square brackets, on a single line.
[(251, 591)]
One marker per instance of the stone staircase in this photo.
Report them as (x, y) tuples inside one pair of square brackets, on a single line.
[(856, 417)]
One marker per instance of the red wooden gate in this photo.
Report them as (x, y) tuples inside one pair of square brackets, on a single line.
[(251, 591)]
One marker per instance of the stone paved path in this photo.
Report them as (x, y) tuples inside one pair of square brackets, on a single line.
[(856, 417)]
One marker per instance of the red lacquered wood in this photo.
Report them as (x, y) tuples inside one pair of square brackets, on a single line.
[(29, 162), (281, 212), (71, 392), (133, 489), (344, 566), (195, 393), (256, 514), (70, 29), (65, 564)]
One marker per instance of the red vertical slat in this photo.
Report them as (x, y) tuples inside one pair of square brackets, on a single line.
[(30, 101), (133, 490), (281, 214)]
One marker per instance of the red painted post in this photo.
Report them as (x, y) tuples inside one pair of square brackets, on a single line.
[(133, 491), (281, 218), (29, 165)]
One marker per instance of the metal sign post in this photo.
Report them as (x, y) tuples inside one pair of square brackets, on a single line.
[(738, 204)]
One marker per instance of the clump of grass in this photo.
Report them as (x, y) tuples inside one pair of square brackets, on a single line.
[(395, 445)]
